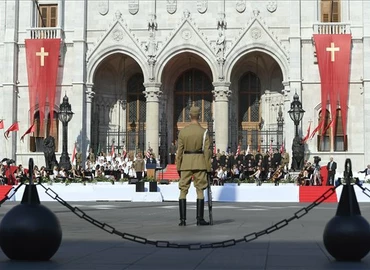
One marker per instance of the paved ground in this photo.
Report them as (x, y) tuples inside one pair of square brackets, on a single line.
[(296, 247)]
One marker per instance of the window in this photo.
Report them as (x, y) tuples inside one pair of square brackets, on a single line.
[(41, 132), (340, 141), (325, 142), (330, 11), (47, 16)]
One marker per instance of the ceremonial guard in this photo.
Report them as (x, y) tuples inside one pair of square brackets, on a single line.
[(193, 161)]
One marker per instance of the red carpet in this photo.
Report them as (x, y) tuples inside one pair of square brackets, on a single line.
[(170, 173), (311, 193), (4, 190)]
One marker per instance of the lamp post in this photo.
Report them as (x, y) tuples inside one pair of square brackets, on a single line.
[(296, 114), (65, 115)]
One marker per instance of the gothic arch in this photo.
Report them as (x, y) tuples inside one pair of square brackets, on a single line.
[(235, 56), (96, 60), (167, 56)]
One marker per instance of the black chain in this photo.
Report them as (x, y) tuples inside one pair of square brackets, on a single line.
[(7, 197), (365, 190), (192, 246)]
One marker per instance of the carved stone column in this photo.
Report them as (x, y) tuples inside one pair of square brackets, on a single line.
[(221, 93), (89, 96), (152, 94)]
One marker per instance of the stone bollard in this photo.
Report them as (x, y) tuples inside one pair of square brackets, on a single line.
[(347, 235), (30, 231)]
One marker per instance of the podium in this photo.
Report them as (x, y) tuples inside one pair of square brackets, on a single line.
[(150, 170)]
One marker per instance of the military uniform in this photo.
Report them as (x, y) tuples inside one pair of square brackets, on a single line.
[(193, 161)]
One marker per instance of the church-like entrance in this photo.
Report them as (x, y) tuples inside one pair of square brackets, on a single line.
[(118, 121), (256, 107), (193, 88)]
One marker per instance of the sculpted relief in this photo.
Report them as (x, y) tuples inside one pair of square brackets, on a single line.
[(133, 6), (171, 6), (202, 6)]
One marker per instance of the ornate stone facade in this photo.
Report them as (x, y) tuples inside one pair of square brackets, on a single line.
[(161, 42)]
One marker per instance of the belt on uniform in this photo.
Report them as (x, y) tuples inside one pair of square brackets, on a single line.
[(194, 152)]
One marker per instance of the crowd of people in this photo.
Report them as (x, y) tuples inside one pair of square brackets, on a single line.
[(271, 166), (128, 166)]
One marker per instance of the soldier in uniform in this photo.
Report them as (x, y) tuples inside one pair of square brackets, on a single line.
[(193, 161)]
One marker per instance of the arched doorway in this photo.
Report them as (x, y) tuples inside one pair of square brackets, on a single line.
[(192, 88), (118, 109), (256, 104)]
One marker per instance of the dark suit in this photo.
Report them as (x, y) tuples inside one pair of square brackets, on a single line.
[(332, 166)]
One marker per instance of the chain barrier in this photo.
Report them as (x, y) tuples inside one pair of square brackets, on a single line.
[(7, 197), (192, 246), (365, 190)]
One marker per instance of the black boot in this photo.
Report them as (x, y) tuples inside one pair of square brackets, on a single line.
[(200, 213), (182, 207)]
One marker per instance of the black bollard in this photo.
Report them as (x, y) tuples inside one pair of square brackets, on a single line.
[(30, 231), (347, 235)]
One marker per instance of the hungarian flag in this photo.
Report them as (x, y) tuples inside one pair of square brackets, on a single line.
[(29, 130), (112, 151), (238, 151), (73, 155), (42, 57), (333, 56), (124, 152), (1, 124), (307, 134), (282, 148), (328, 126), (13, 127), (319, 126), (270, 149)]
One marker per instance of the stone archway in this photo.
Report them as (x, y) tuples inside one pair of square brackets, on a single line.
[(256, 102), (186, 81), (118, 110)]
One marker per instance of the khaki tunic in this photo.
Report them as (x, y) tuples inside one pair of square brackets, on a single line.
[(193, 166), (139, 165)]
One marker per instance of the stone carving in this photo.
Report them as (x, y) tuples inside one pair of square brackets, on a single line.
[(186, 13), (49, 153), (117, 35), (90, 94), (133, 6), (118, 15), (221, 63), (256, 33), (256, 12), (202, 6), (104, 7), (151, 46), (221, 94), (240, 6), (220, 43), (171, 6), (152, 23), (186, 34), (271, 6)]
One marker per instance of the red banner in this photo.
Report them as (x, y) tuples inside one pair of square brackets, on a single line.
[(42, 69), (333, 55)]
